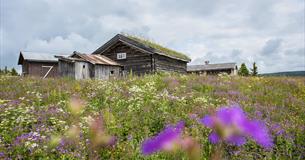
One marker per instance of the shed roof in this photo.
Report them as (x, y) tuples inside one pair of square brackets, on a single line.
[(91, 58), (36, 57), (144, 45), (207, 67)]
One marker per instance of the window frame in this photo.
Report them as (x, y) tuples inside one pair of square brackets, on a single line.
[(121, 56)]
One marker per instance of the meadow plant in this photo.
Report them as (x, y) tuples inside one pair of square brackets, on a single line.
[(117, 119), (171, 140), (231, 124), (167, 140)]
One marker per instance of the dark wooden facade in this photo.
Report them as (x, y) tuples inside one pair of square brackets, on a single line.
[(140, 61), (119, 56), (163, 63), (136, 61), (37, 68)]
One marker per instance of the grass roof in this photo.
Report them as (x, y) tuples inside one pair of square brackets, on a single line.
[(162, 49)]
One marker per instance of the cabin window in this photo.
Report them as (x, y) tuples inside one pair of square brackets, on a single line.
[(121, 55), (111, 72), (84, 66)]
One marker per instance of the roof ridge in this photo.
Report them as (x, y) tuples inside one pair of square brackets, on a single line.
[(159, 49), (211, 63)]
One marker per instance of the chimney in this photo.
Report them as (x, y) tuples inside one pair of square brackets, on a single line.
[(206, 62)]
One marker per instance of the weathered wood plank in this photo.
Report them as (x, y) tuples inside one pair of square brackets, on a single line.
[(36, 69), (135, 60), (141, 62)]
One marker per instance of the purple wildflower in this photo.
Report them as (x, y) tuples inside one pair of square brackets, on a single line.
[(214, 138), (193, 116), (232, 125), (231, 116), (259, 114), (259, 132), (1, 155), (233, 93), (236, 140), (277, 129), (208, 121), (165, 140), (32, 136), (61, 146), (14, 102), (129, 137)]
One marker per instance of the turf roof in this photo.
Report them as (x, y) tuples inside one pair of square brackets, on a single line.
[(162, 49)]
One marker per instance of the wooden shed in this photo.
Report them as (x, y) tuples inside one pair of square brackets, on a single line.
[(84, 66), (141, 56), (38, 64), (213, 69)]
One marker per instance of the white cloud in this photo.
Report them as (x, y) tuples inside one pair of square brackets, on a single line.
[(219, 30), (73, 42)]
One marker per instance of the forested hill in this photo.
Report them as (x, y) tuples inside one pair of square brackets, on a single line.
[(290, 73)]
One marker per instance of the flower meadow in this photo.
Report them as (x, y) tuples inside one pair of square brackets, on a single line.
[(160, 116)]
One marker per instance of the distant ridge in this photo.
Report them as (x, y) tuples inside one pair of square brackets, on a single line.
[(289, 73)]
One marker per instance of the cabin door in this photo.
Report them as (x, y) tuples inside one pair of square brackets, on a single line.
[(85, 71), (46, 71), (81, 70)]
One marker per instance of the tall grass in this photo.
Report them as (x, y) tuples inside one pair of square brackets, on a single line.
[(34, 111)]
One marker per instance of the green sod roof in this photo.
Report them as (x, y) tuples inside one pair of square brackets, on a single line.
[(164, 50)]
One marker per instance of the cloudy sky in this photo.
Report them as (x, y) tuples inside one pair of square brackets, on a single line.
[(269, 32)]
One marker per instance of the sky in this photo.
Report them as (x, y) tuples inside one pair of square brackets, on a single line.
[(268, 32)]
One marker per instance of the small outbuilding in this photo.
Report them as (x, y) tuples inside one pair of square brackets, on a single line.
[(38, 64), (213, 69), (85, 66)]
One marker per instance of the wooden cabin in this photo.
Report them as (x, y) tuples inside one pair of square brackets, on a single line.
[(84, 66), (213, 69), (141, 56), (38, 64)]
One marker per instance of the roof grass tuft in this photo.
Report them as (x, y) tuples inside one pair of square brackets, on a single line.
[(162, 49)]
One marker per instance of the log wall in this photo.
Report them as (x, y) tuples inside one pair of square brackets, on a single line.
[(136, 61), (140, 62), (163, 63)]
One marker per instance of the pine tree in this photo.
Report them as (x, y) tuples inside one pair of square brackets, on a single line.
[(14, 72), (243, 70), (254, 70), (5, 70)]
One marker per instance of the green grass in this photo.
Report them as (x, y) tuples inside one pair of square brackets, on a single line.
[(136, 108), (162, 49)]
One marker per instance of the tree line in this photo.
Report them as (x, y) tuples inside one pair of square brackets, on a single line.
[(7, 71)]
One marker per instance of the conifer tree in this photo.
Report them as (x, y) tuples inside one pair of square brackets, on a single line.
[(243, 70), (5, 70), (254, 70), (14, 72)]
